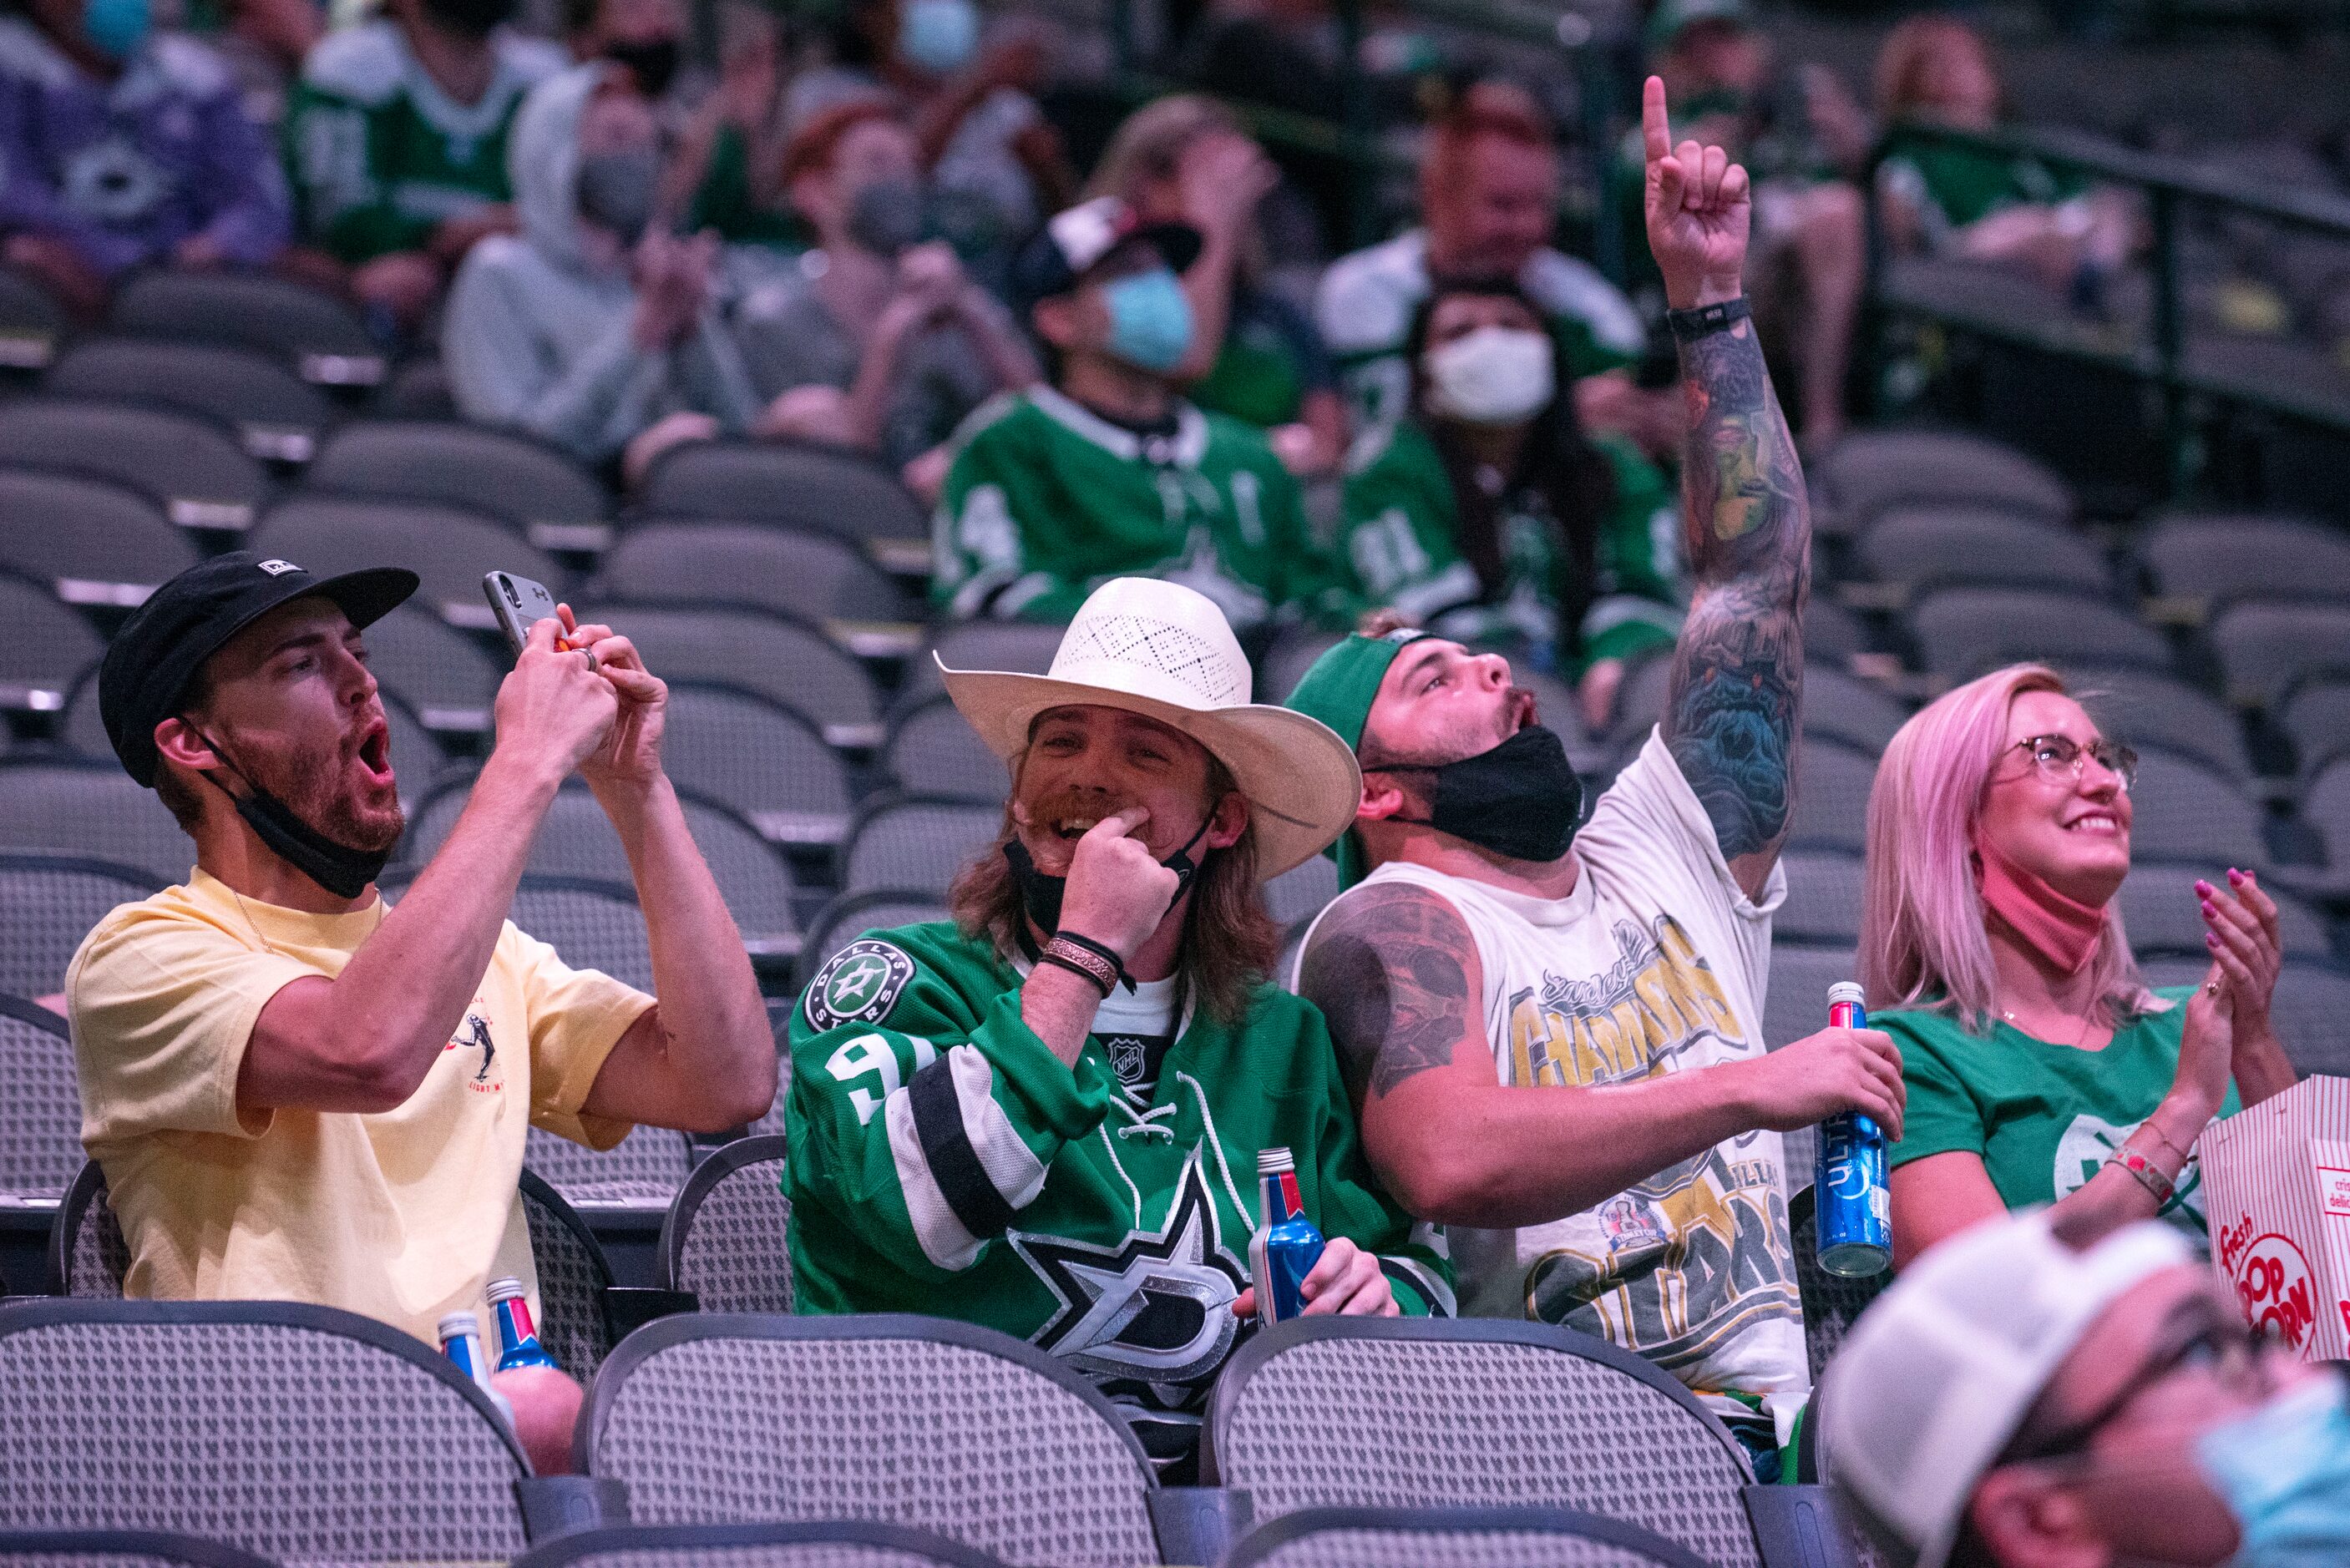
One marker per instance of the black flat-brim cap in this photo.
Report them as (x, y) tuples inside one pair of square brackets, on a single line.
[(152, 660), (1076, 241)]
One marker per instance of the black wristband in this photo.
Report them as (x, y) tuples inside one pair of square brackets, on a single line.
[(1058, 961), (1091, 946), (1704, 320)]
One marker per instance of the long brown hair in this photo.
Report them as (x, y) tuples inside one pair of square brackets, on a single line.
[(1230, 940)]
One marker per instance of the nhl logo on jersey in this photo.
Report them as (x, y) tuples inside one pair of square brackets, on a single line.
[(1128, 1059), (859, 984)]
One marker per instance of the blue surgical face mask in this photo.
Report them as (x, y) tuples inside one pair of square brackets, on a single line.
[(2284, 1472), (1149, 320), (938, 36), (116, 28)]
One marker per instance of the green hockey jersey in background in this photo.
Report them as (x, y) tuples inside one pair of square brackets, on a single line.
[(1046, 501), (944, 1161)]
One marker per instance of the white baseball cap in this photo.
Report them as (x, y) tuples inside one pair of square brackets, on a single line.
[(1937, 1374)]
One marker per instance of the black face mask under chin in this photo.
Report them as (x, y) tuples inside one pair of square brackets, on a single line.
[(337, 868), (1521, 800), (1040, 894)]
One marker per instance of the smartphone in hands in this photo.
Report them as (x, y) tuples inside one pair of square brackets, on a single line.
[(518, 603)]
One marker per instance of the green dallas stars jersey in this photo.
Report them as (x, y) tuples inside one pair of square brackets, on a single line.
[(1046, 501), (943, 1160), (381, 156), (1399, 531)]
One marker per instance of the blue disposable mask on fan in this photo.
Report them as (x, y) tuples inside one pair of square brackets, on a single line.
[(1149, 320), (116, 28), (2284, 1471), (938, 36)]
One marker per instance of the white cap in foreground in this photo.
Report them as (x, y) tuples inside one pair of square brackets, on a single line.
[(1938, 1373)]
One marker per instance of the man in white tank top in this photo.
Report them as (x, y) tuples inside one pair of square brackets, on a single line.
[(1642, 1196)]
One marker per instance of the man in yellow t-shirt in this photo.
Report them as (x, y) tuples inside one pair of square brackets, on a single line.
[(300, 1092)]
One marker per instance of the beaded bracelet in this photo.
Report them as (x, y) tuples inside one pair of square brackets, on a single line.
[(2148, 1176)]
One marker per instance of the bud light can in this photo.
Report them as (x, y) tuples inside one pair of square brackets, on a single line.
[(1852, 1210), (517, 1335), (460, 1342), (1286, 1245)]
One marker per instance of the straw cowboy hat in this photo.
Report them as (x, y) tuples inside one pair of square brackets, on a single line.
[(1165, 651)]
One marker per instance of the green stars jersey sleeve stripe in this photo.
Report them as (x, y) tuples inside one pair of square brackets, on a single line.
[(959, 1158)]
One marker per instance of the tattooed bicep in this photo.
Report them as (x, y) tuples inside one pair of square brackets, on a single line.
[(1395, 972)]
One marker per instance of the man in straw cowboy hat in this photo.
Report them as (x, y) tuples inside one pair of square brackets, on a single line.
[(1555, 1035), (1045, 1116)]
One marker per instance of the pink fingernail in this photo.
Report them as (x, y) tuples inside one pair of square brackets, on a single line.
[(2211, 942), (2234, 875), (2204, 888), (2210, 908)]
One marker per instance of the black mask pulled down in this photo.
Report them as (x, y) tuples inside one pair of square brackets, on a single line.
[(1040, 894), (652, 61), (1522, 799), (337, 868)]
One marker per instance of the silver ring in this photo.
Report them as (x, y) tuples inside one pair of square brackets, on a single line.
[(592, 660), (2211, 986)]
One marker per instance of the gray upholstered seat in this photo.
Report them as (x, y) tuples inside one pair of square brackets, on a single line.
[(2159, 912), (2317, 716), (784, 659), (1831, 1302), (46, 645), (91, 810), (1455, 1537), (193, 467), (932, 750), (2182, 810), (87, 1256), (1832, 787), (100, 541), (300, 1432), (1822, 897), (449, 547), (839, 922), (2310, 1010), (528, 483), (2146, 708), (937, 1425), (572, 1275), (817, 575), (1964, 631), (1840, 707), (1413, 1412), (838, 1543), (1797, 1004), (1301, 892), (278, 416), (2265, 645), (792, 485), (120, 1549), (2216, 557), (726, 1236), (446, 676), (49, 903), (1024, 647), (1918, 544), (643, 1172), (757, 758), (314, 333), (592, 924), (1872, 470), (40, 1106), (915, 843)]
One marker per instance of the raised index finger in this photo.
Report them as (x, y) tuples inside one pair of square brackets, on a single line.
[(1656, 133)]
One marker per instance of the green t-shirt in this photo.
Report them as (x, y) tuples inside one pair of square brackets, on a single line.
[(1400, 530), (2043, 1116), (1952, 186), (723, 203)]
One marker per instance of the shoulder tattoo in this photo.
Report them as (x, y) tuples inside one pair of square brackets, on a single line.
[(1390, 970)]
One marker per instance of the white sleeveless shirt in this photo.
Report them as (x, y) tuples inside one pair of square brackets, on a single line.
[(1655, 962)]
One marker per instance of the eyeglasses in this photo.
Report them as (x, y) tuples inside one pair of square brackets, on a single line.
[(2220, 1349), (2058, 758)]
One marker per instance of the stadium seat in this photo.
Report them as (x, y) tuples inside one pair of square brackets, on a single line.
[(1871, 471), (796, 486), (1832, 786), (41, 1109), (758, 758), (799, 572), (98, 542), (2160, 912), (1915, 547), (1840, 707), (1833, 635), (932, 750), (1454, 1538), (782, 658), (2183, 810), (452, 550), (915, 843), (1025, 647), (297, 1431), (2326, 808), (315, 334), (2265, 645), (918, 1421), (593, 924), (1831, 1302), (49, 903), (2317, 716), (276, 417), (93, 811), (43, 645), (1822, 897), (448, 679), (832, 1543), (2311, 1002), (641, 1174), (844, 918), (192, 466), (2208, 560), (418, 389), (2144, 707), (1963, 632), (1640, 703), (119, 1549), (727, 1236), (527, 483), (32, 322), (1442, 1413), (572, 1275), (576, 839), (1303, 891), (87, 1256), (1797, 1003)]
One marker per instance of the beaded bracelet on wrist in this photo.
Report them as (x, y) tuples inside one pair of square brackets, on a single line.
[(2148, 1175)]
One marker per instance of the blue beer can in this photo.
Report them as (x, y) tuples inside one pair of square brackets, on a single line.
[(1287, 1246), (1851, 1205)]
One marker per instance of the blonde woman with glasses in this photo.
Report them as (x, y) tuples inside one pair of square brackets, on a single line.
[(2040, 1067)]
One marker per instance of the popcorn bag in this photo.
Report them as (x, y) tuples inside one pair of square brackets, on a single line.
[(2276, 1191)]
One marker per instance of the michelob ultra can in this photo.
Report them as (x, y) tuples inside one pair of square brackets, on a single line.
[(1850, 1204), (460, 1342), (1286, 1245), (518, 1342)]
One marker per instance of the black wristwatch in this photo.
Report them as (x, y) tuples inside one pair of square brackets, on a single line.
[(1704, 320)]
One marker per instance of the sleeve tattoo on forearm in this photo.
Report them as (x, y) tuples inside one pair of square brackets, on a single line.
[(1386, 969), (1738, 672)]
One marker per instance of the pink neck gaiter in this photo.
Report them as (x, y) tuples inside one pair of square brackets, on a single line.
[(2062, 929)]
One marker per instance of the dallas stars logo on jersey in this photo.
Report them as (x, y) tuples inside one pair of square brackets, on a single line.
[(859, 984)]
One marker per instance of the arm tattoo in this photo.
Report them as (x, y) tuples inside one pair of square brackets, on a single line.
[(1389, 969), (1738, 673)]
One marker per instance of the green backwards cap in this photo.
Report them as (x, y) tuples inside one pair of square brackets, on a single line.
[(1339, 690)]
